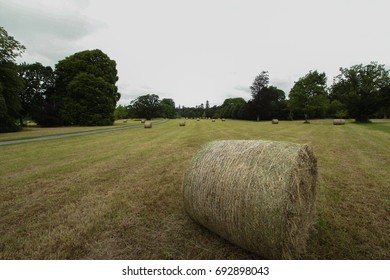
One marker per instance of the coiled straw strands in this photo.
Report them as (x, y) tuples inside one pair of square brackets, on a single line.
[(259, 195), (338, 122)]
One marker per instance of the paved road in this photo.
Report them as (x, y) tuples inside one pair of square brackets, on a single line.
[(51, 137)]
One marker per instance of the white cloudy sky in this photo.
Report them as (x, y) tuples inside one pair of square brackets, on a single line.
[(199, 50)]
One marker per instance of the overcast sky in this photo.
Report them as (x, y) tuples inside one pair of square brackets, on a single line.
[(193, 51)]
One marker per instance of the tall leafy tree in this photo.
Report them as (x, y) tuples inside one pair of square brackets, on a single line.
[(10, 49), (309, 95), (266, 100), (167, 108), (361, 88), (38, 85), (234, 108), (146, 106), (11, 85), (85, 90)]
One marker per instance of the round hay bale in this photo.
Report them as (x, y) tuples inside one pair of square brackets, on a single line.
[(197, 119), (182, 123), (213, 120), (259, 195), (223, 120), (148, 125), (143, 121), (339, 122), (275, 121)]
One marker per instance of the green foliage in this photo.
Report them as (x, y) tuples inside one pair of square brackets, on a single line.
[(233, 108), (120, 112), (167, 108), (10, 84), (146, 106), (85, 90), (309, 96), (38, 81), (89, 101), (361, 88), (10, 49), (267, 101)]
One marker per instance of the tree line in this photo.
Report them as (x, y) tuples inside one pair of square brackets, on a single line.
[(80, 90), (360, 92)]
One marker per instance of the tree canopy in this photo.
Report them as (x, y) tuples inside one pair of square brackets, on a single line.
[(85, 88), (146, 106), (362, 89), (38, 81), (309, 95), (11, 85)]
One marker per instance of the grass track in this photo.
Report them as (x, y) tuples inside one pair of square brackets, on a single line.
[(117, 195)]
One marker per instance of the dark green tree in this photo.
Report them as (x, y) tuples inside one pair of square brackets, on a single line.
[(266, 102), (309, 96), (167, 108), (361, 89), (146, 106), (10, 49), (38, 84), (91, 103), (11, 85), (120, 112), (233, 108)]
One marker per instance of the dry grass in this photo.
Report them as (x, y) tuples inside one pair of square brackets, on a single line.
[(93, 197)]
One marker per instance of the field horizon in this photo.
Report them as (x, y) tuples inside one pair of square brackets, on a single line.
[(117, 195)]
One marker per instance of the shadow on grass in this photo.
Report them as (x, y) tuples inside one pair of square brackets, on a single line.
[(383, 126)]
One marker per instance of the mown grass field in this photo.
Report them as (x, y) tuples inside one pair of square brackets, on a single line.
[(117, 195)]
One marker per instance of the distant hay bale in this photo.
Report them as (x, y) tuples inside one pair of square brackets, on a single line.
[(143, 121), (148, 125), (124, 121), (275, 121), (213, 120), (197, 119), (338, 121), (182, 123), (223, 120), (259, 195)]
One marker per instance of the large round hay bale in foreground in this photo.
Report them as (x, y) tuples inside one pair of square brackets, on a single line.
[(275, 121), (182, 123), (259, 195), (148, 125), (338, 122)]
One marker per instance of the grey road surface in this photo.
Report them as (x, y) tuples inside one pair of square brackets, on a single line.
[(10, 142)]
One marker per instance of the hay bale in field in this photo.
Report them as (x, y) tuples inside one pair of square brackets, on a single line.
[(259, 195), (124, 121), (197, 119), (213, 120), (338, 121), (275, 121), (182, 123), (143, 121), (148, 125), (223, 120)]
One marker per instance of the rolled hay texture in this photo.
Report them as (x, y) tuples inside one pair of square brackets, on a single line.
[(338, 122), (275, 121), (148, 125), (259, 195), (182, 123)]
